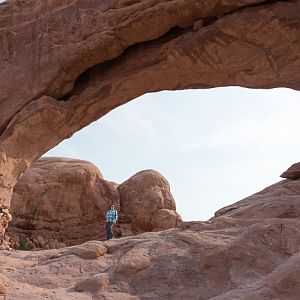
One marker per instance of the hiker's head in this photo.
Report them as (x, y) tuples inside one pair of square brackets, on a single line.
[(112, 207)]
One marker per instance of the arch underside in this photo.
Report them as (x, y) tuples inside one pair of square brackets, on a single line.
[(65, 64)]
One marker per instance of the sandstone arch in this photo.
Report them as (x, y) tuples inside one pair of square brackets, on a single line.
[(64, 64)]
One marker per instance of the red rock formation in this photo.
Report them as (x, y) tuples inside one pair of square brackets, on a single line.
[(66, 63), (249, 250), (165, 219), (4, 282), (293, 172), (143, 195), (61, 202), (5, 218), (73, 61)]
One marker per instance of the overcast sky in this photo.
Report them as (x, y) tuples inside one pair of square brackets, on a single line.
[(214, 146)]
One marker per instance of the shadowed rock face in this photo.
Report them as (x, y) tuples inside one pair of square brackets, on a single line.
[(249, 250), (64, 64)]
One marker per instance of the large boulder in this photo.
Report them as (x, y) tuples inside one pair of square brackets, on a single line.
[(61, 201), (143, 195)]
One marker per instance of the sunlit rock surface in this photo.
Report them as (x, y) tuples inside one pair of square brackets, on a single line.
[(62, 202), (249, 250)]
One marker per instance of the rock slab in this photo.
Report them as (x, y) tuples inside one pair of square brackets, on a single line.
[(249, 250)]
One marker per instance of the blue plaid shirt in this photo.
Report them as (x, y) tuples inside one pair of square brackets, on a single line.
[(111, 216)]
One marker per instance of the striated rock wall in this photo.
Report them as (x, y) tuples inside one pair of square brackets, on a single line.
[(64, 64)]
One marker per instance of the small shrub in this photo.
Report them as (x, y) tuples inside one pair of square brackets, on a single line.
[(24, 244)]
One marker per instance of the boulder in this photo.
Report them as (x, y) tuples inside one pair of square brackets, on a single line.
[(142, 195), (165, 219), (61, 201)]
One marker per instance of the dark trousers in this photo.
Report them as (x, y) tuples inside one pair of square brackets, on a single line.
[(109, 231)]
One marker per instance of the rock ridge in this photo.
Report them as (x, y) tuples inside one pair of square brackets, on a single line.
[(249, 252)]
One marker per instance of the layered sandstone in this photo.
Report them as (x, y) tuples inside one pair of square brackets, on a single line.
[(73, 61), (61, 202), (249, 250)]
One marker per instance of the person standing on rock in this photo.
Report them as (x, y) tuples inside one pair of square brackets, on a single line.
[(111, 217)]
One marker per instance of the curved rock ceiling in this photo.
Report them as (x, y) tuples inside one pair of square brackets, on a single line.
[(66, 63)]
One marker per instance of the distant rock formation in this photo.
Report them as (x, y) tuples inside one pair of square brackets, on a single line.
[(61, 202), (248, 251), (293, 172)]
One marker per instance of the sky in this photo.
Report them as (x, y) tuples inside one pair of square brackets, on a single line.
[(214, 146)]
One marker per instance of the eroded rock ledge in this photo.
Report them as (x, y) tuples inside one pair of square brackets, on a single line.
[(249, 250)]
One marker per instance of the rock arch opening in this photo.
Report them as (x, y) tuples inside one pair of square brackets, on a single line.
[(245, 135), (215, 147), (252, 247), (249, 45)]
